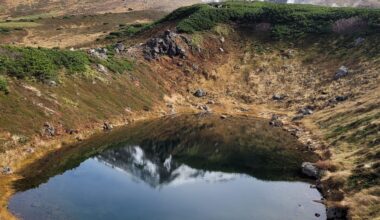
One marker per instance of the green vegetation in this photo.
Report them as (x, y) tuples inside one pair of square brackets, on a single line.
[(43, 64), (40, 63), (4, 30), (286, 20), (129, 30), (117, 65), (3, 84)]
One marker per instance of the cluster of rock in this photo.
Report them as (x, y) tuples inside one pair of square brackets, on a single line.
[(165, 45), (100, 53)]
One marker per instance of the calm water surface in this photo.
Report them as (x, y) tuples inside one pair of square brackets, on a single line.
[(187, 167)]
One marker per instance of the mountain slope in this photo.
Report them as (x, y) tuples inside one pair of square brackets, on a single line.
[(36, 8), (255, 59)]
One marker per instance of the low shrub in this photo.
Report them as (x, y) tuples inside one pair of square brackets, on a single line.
[(40, 63), (287, 20), (3, 84)]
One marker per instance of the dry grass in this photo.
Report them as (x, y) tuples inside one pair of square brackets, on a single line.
[(17, 24)]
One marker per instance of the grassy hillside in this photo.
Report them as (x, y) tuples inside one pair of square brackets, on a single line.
[(285, 20)]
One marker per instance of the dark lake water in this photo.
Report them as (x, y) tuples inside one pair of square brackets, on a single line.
[(186, 167)]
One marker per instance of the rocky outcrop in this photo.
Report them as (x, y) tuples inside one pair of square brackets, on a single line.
[(169, 44)]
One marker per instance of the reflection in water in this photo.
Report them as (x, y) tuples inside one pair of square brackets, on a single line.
[(133, 161), (186, 167)]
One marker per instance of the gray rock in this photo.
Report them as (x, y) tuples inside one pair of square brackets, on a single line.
[(210, 102), (51, 83), (341, 98), (102, 69), (359, 41), (305, 111), (6, 170), (336, 213), (310, 170), (107, 126), (119, 47), (100, 53), (204, 108), (49, 129), (342, 72), (278, 97), (200, 93), (275, 121), (297, 117), (222, 40)]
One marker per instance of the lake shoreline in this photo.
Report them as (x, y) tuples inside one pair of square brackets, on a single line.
[(44, 147)]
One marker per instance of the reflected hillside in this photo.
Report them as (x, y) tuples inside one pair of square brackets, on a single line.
[(171, 149), (133, 161)]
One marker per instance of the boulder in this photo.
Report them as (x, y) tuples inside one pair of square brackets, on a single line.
[(6, 170), (305, 111), (210, 102), (204, 108), (278, 97), (100, 53), (49, 130), (335, 213), (119, 47), (297, 117), (359, 41), (309, 169), (275, 121), (342, 72), (199, 93), (341, 98), (51, 83), (107, 126), (101, 68)]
